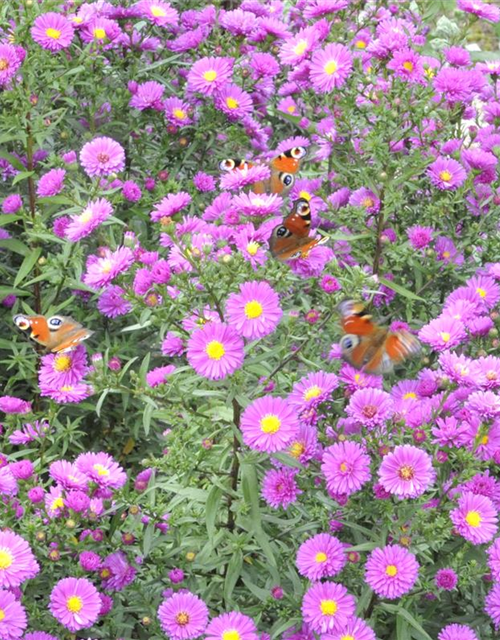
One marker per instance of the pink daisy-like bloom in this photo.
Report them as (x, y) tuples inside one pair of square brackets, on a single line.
[(457, 632), (75, 603), (13, 621), (494, 559), (480, 9), (255, 311), (8, 483), (209, 75), (330, 67), (406, 472), (64, 368), (269, 424), (116, 573), (102, 157), (176, 111), (10, 404), (485, 290), (279, 488), (67, 475), (170, 205), (407, 65), (52, 31), (215, 351), (313, 389), (492, 608), (391, 571), (111, 302), (94, 214), (250, 244), (354, 629), (327, 607), (233, 101), (231, 626), (17, 562), (370, 407), (443, 333), (148, 96), (455, 85), (100, 31), (9, 64), (183, 616), (67, 393), (51, 183), (296, 48), (101, 271), (39, 635), (239, 178), (262, 205), (29, 433), (354, 379), (475, 518), (321, 556), (420, 237), (446, 173), (102, 469), (346, 467), (304, 446), (365, 199), (158, 12), (446, 579), (160, 375)]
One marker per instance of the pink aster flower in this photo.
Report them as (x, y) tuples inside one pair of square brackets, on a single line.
[(391, 571), (313, 389), (443, 333), (260, 205), (116, 572), (475, 518), (39, 635), (51, 183), (420, 237), (355, 628), (446, 579), (52, 31), (10, 404), (330, 67), (269, 424), (158, 12), (13, 622), (9, 65), (160, 375), (102, 157), (8, 483), (111, 302), (170, 205), (455, 85), (101, 271), (176, 112), (102, 469), (406, 472), (94, 214), (494, 559), (233, 101), (327, 607), (209, 75), (100, 31), (255, 311), (148, 96), (407, 65), (279, 488), (215, 351), (75, 603), (297, 48), (17, 562), (370, 407), (480, 9), (29, 433), (66, 393), (346, 467), (231, 626), (354, 379), (492, 608), (365, 199), (457, 632), (64, 368), (320, 557), (485, 291), (183, 616), (239, 178), (446, 173), (67, 475)]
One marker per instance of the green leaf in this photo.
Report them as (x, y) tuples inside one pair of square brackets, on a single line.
[(250, 487), (414, 623), (22, 175), (146, 418), (100, 402), (15, 162), (7, 218), (14, 245), (232, 574), (399, 289), (211, 510), (402, 630), (27, 265)]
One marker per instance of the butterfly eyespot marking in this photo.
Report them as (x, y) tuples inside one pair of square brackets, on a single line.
[(54, 323), (349, 342), (22, 322), (227, 165), (282, 232), (298, 152), (287, 179), (303, 208)]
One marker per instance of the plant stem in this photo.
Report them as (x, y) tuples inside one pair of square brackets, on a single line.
[(378, 241), (32, 205), (235, 466)]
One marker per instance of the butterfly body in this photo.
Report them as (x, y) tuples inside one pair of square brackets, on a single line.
[(367, 346), (56, 333), (283, 169), (291, 239)]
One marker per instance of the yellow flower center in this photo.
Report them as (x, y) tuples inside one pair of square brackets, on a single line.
[(445, 336), (481, 292), (300, 47), (410, 394), (158, 12), (445, 176), (99, 33), (330, 67), (58, 503), (210, 75), (491, 375), (485, 440), (106, 266), (408, 65), (253, 309), (55, 34), (291, 108), (67, 387), (357, 377), (343, 467), (253, 247), (105, 573), (328, 607), (231, 634), (74, 604), (4, 64), (101, 470), (6, 559), (306, 195), (360, 44), (406, 472), (391, 570), (473, 519), (62, 363), (182, 618), (232, 103), (86, 216), (180, 114), (347, 636), (77, 19), (297, 449), (321, 557), (446, 254), (312, 392), (367, 202), (215, 350), (270, 423), (2, 614)]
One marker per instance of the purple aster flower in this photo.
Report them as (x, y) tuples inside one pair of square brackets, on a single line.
[(158, 12), (176, 112), (365, 199), (370, 407), (297, 48), (457, 56), (160, 375), (480, 9), (233, 101), (102, 157), (89, 561), (321, 556), (313, 389), (67, 393), (231, 626), (170, 205), (10, 404), (172, 345), (391, 571), (492, 608), (63, 368), (443, 333), (255, 311), (39, 635), (116, 573), (279, 487), (9, 65), (239, 178), (75, 603), (354, 628), (29, 433), (100, 31), (327, 607), (475, 518), (52, 31), (131, 191), (446, 173), (407, 65), (457, 632), (12, 203), (102, 469), (148, 96), (406, 472), (8, 483), (183, 616), (102, 270), (494, 559), (269, 424), (485, 290), (420, 237), (209, 75), (14, 620), (446, 579), (346, 467), (455, 85), (215, 351), (204, 182), (112, 304), (17, 562), (51, 183)]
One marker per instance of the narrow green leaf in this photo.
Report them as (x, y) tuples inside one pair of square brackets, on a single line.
[(14, 245), (146, 418), (399, 289), (100, 402), (211, 510), (414, 623), (22, 175), (27, 265), (402, 630), (232, 574), (7, 218)]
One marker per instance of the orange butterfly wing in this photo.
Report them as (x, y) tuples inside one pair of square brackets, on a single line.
[(57, 334), (291, 239)]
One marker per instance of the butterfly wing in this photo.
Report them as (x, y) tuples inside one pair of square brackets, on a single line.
[(283, 169), (230, 164), (57, 333), (291, 239)]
